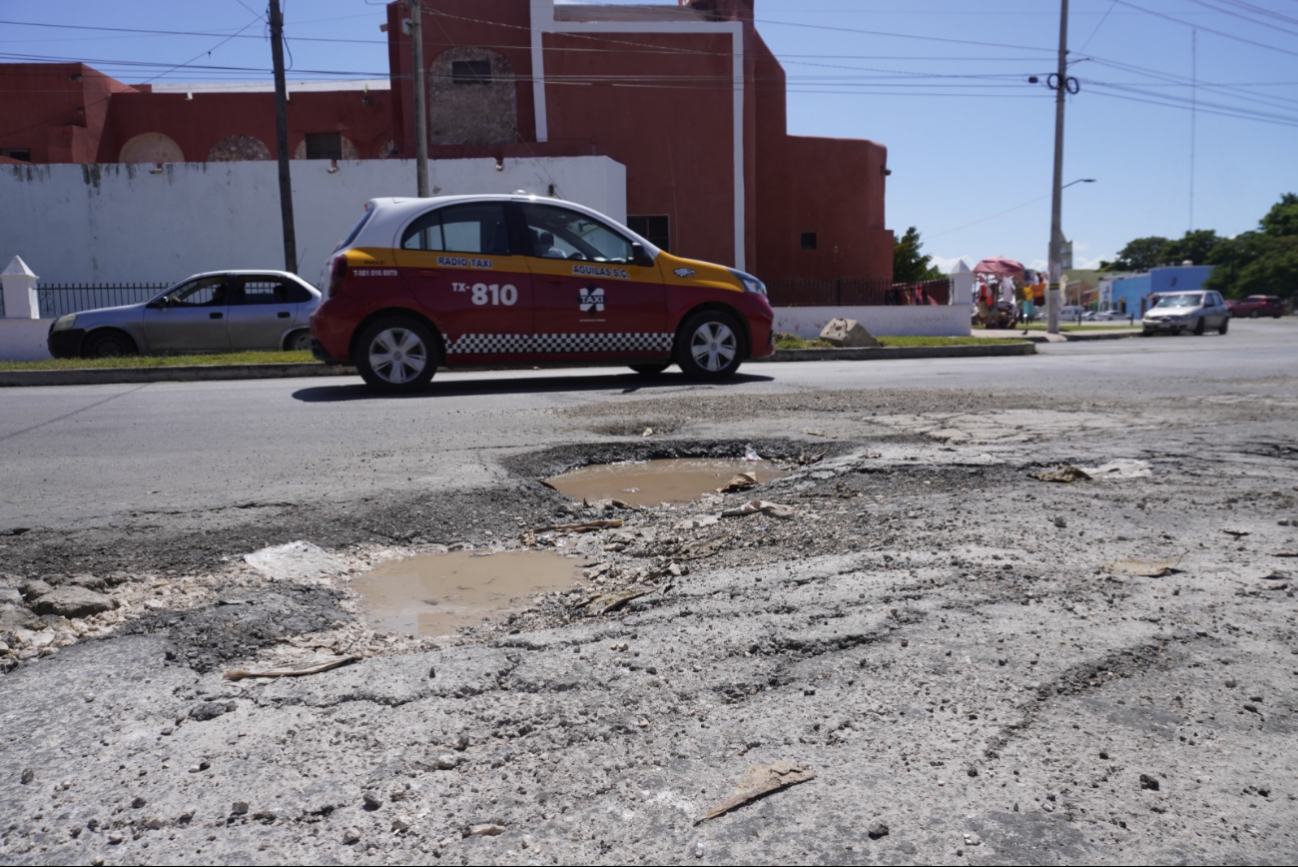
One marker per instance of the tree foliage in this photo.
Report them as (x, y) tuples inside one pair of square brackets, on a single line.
[(1140, 254), (1282, 220), (1262, 262), (909, 265)]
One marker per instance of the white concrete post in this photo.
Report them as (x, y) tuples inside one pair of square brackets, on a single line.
[(20, 291), (962, 284)]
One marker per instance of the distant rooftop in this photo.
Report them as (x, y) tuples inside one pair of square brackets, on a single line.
[(594, 12), (269, 86)]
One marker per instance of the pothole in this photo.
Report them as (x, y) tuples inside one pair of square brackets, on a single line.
[(435, 594), (666, 480)]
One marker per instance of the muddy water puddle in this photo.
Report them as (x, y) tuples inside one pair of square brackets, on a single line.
[(435, 594), (649, 483)]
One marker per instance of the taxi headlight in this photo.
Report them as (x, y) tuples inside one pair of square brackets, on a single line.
[(749, 282), (65, 323)]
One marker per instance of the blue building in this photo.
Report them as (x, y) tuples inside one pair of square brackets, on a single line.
[(1131, 294)]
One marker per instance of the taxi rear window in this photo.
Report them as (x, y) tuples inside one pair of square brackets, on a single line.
[(351, 236), (468, 228)]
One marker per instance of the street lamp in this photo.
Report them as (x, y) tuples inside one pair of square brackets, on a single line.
[(1057, 249)]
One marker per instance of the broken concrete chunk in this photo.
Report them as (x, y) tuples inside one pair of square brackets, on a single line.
[(73, 601), (486, 830), (847, 332), (757, 782), (34, 589), (752, 507), (296, 561), (741, 482)]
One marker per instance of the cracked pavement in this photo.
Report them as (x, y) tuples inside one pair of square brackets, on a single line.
[(955, 649)]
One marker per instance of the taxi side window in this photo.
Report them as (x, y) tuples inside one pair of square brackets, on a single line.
[(560, 233), (468, 228)]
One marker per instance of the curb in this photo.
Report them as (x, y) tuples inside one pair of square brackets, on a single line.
[(889, 353), (214, 372), (196, 373)]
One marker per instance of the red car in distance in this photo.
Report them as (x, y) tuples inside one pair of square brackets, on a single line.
[(1257, 305)]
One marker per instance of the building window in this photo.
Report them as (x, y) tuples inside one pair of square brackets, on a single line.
[(656, 230), (808, 240), (471, 72), (23, 154), (324, 146)]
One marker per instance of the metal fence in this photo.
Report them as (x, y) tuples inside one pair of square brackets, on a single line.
[(849, 292), (55, 301)]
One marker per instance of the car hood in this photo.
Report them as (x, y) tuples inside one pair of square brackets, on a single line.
[(114, 315)]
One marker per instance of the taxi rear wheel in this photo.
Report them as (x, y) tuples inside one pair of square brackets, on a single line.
[(709, 345), (397, 355)]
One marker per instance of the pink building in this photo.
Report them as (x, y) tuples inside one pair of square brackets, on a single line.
[(689, 98)]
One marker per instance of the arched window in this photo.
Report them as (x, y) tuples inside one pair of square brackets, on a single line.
[(151, 147)]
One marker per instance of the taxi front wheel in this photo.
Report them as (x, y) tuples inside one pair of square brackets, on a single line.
[(709, 345), (397, 355)]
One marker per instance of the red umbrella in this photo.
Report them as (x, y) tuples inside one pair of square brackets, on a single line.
[(999, 265)]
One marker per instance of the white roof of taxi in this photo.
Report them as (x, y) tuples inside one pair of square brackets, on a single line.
[(393, 212)]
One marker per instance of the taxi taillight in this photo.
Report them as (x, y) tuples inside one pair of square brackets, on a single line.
[(337, 275)]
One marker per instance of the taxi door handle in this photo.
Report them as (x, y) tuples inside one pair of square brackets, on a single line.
[(216, 316), (283, 314)]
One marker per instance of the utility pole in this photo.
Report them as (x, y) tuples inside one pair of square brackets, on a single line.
[(1060, 84), (281, 137), (421, 102)]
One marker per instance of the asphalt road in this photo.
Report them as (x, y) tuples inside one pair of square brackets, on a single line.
[(956, 659), (82, 454)]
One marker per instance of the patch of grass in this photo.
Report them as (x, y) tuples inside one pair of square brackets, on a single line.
[(132, 361), (793, 341)]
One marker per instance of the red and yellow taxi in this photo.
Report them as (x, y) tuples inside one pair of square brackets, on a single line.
[(486, 280)]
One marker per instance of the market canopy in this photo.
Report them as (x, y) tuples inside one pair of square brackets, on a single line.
[(999, 265)]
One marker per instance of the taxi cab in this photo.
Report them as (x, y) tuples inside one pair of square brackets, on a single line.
[(474, 280)]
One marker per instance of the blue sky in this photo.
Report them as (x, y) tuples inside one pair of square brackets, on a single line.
[(1187, 115)]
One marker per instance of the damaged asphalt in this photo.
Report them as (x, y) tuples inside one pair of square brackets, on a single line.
[(964, 657)]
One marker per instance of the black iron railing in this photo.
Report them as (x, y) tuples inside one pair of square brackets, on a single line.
[(849, 292), (55, 301)]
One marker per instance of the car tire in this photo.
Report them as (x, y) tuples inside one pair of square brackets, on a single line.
[(709, 345), (1201, 325), (108, 344), (650, 369), (1225, 323), (1147, 332), (1253, 314), (397, 355), (298, 341)]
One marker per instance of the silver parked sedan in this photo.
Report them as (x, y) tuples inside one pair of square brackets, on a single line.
[(218, 311), (1186, 311)]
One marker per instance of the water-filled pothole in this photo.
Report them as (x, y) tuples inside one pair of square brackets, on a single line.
[(649, 483), (435, 594)]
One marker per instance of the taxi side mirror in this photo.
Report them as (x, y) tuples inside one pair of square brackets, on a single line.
[(640, 256)]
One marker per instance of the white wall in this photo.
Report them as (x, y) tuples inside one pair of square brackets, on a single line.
[(23, 339), (921, 320), (140, 223)]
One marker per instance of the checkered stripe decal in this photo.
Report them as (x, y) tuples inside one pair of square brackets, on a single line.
[(501, 344), (490, 344)]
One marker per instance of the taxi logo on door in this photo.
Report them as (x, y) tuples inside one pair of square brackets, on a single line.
[(591, 300)]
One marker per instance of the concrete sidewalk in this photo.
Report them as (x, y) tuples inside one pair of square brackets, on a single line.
[(1036, 336), (198, 373)]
